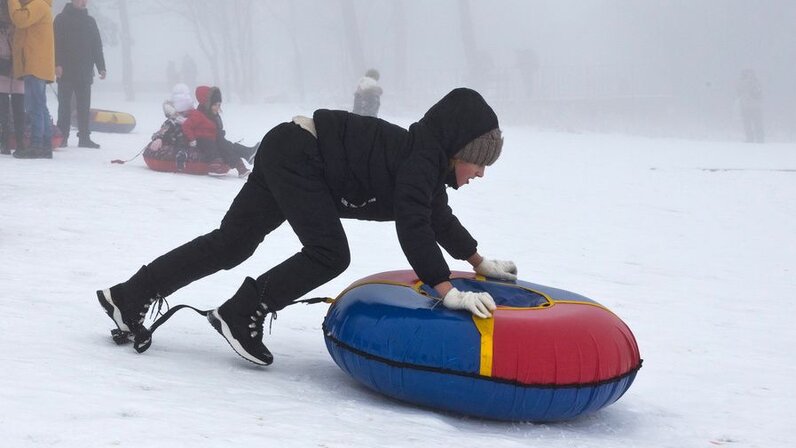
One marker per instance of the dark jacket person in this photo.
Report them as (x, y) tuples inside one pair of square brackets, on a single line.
[(78, 49), (312, 172)]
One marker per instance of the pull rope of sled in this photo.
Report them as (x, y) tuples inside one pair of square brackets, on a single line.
[(122, 162), (167, 315), (143, 338), (172, 310)]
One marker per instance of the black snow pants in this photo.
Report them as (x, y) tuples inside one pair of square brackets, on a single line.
[(287, 183), (17, 111), (219, 149), (82, 94)]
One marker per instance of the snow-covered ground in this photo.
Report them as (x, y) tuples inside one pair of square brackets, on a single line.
[(691, 243)]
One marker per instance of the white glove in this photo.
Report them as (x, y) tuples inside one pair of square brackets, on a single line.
[(156, 144), (499, 269), (478, 303)]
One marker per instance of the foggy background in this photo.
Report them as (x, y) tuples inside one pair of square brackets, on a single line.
[(646, 67)]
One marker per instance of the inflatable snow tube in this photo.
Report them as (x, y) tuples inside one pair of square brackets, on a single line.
[(101, 120), (56, 140), (545, 355), (165, 160)]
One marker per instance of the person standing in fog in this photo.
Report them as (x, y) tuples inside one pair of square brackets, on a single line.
[(528, 66), (78, 49), (189, 71), (750, 99), (172, 76), (12, 91), (34, 62), (367, 98)]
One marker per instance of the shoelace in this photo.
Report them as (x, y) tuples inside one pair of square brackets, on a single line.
[(155, 311), (258, 319)]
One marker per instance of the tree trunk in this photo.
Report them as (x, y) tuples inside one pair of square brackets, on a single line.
[(298, 64), (127, 59), (356, 56), (400, 69), (226, 36), (477, 66)]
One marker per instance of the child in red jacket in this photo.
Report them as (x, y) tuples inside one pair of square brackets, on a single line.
[(204, 129)]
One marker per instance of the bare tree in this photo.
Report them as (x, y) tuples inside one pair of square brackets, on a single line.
[(356, 55), (400, 38), (297, 61), (291, 20), (479, 63), (127, 51), (225, 33)]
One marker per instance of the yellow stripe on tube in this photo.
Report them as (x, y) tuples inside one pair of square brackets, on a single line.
[(487, 329)]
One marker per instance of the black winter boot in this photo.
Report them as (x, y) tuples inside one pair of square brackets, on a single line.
[(4, 149), (127, 305), (46, 151), (18, 116), (5, 121), (33, 153), (86, 142), (240, 320)]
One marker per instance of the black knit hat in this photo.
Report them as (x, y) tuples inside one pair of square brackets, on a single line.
[(484, 150), (215, 96)]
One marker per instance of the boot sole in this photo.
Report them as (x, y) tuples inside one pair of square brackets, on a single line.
[(223, 329), (106, 301), (141, 337)]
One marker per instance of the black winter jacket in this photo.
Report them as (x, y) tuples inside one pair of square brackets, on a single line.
[(379, 171), (78, 46)]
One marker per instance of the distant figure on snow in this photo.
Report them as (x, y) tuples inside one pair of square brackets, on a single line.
[(169, 142), (12, 91), (189, 71), (34, 62), (750, 99), (367, 98), (528, 66), (204, 129), (172, 75), (78, 49)]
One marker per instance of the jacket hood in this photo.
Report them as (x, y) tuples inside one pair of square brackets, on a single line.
[(202, 93), (459, 118), (69, 9), (207, 96)]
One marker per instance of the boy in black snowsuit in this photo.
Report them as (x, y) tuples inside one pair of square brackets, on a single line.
[(311, 172)]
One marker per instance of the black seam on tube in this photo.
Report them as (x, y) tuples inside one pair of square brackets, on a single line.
[(478, 376)]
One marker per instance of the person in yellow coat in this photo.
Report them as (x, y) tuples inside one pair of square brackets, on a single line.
[(34, 62)]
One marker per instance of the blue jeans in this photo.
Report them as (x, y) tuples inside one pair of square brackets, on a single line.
[(39, 116)]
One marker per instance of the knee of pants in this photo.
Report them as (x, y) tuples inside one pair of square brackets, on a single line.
[(334, 258), (238, 255), (228, 252)]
